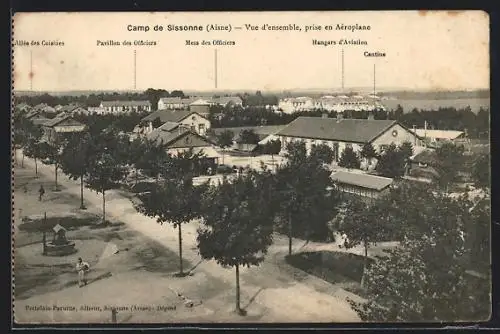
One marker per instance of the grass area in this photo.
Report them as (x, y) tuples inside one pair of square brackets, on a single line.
[(37, 224), (333, 267)]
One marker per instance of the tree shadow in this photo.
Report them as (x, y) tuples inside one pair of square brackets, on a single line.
[(244, 308), (194, 267)]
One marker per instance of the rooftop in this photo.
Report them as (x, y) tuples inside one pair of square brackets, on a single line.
[(168, 115), (362, 180), (347, 130)]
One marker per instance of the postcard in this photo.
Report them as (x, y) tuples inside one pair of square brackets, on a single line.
[(251, 167)]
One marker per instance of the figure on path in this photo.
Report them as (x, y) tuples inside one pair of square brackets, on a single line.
[(82, 268), (41, 192)]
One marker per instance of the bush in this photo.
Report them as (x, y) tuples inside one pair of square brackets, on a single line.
[(224, 169), (39, 224)]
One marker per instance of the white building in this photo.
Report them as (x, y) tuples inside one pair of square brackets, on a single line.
[(121, 107), (331, 103), (339, 133), (169, 103)]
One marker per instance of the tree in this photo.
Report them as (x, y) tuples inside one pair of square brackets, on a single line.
[(321, 153), (136, 151), (237, 225), (175, 201), (481, 171), (156, 123), (249, 137), (225, 140), (305, 195), (391, 162), (449, 162), (153, 157), (368, 152), (50, 154), (349, 159), (183, 164), (363, 224), (75, 160), (411, 283), (104, 172), (32, 149), (406, 150), (31, 141), (25, 132)]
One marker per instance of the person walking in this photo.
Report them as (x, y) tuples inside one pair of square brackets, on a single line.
[(82, 268), (41, 192)]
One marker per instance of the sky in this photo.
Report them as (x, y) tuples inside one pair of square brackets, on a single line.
[(434, 50)]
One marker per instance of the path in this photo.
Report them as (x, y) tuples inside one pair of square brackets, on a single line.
[(288, 299)]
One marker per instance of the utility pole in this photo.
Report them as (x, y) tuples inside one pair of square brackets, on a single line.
[(135, 69), (215, 68), (31, 70), (342, 71)]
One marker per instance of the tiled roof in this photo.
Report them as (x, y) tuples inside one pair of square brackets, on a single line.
[(346, 130), (166, 137), (168, 115), (125, 103), (40, 121), (56, 120), (362, 180), (168, 126), (32, 112)]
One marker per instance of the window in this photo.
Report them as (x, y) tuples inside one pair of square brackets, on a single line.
[(193, 128)]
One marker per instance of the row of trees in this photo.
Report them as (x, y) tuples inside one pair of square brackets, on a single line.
[(476, 124), (240, 215), (94, 100)]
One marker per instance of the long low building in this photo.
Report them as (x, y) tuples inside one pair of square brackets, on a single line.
[(119, 107), (339, 133), (360, 184), (440, 135)]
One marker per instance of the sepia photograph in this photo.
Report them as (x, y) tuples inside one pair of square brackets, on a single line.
[(251, 167)]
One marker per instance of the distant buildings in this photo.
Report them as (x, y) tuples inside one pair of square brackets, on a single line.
[(188, 103), (338, 103), (341, 133), (43, 107), (190, 119), (120, 107)]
